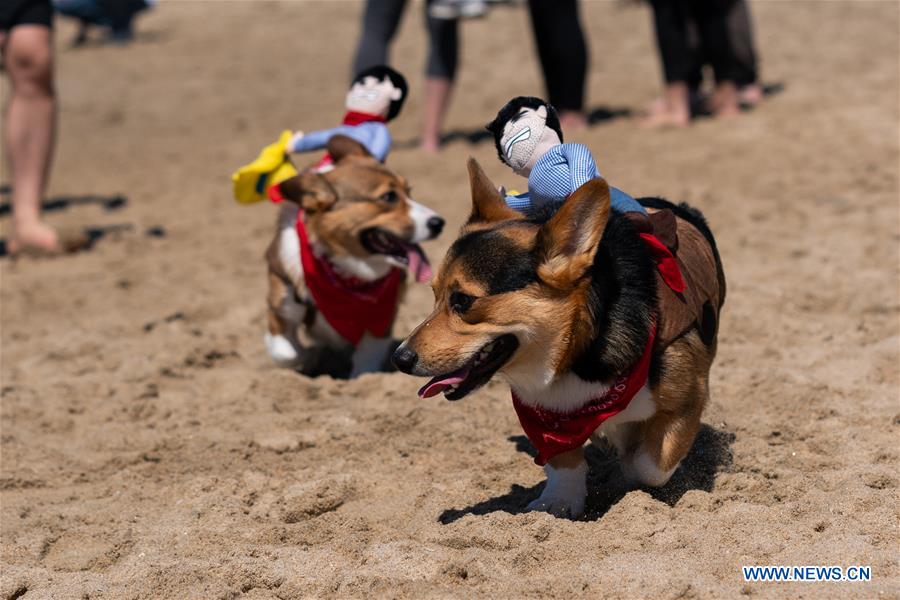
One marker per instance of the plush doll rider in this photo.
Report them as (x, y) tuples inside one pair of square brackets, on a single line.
[(529, 139), (375, 97)]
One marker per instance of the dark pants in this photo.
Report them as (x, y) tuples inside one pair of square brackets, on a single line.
[(562, 51), (691, 33), (115, 14), (380, 22), (25, 12), (741, 28)]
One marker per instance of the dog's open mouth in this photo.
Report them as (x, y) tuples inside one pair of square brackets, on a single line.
[(474, 373), (405, 254)]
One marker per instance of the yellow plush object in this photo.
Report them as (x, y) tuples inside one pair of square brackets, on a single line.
[(252, 182)]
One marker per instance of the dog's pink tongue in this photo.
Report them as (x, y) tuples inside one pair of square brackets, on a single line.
[(439, 384), (418, 264)]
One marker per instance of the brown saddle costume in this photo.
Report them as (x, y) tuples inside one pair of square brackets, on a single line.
[(704, 280)]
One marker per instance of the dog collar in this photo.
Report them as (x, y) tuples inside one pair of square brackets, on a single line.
[(351, 306), (553, 433)]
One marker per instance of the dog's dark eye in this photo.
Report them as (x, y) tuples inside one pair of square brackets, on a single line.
[(460, 302), (389, 197)]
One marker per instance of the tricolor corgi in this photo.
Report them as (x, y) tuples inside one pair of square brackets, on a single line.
[(599, 328)]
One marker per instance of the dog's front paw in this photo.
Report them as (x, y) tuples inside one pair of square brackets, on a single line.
[(564, 493), (571, 508), (281, 350)]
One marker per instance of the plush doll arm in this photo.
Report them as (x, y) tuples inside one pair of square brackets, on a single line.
[(374, 136), (315, 140), (582, 168), (520, 202), (622, 202), (580, 162)]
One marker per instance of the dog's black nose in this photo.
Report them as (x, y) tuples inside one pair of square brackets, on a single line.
[(435, 225), (404, 359)]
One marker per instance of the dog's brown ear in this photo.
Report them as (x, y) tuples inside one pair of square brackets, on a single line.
[(568, 242), (488, 204), (341, 147), (310, 190)]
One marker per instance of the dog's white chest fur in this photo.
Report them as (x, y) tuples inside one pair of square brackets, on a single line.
[(641, 408), (289, 243), (369, 355)]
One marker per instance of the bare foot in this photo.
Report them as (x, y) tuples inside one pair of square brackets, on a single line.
[(750, 95), (672, 110), (572, 120), (37, 236), (725, 100), (42, 240), (660, 114), (431, 146)]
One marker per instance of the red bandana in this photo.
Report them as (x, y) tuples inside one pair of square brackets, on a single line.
[(353, 119), (665, 262), (553, 433), (358, 118), (351, 306)]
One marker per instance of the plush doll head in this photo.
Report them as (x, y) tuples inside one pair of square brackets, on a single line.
[(523, 131), (377, 91)]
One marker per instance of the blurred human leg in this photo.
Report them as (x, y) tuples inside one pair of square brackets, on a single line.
[(30, 129), (437, 99), (679, 62), (87, 12), (443, 57), (564, 57), (380, 22), (712, 17), (741, 31)]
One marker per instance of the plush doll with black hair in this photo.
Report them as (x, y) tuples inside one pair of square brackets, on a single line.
[(529, 139), (375, 97)]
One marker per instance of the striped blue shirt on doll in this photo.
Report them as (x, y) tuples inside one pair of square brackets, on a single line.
[(529, 139)]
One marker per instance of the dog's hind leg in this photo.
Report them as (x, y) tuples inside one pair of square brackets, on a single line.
[(658, 444), (284, 314), (666, 440)]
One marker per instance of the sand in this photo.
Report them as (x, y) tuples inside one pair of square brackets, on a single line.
[(151, 449)]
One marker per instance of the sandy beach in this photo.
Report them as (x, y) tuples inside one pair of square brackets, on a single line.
[(150, 448)]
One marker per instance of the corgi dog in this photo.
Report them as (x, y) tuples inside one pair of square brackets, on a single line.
[(336, 265), (598, 327)]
